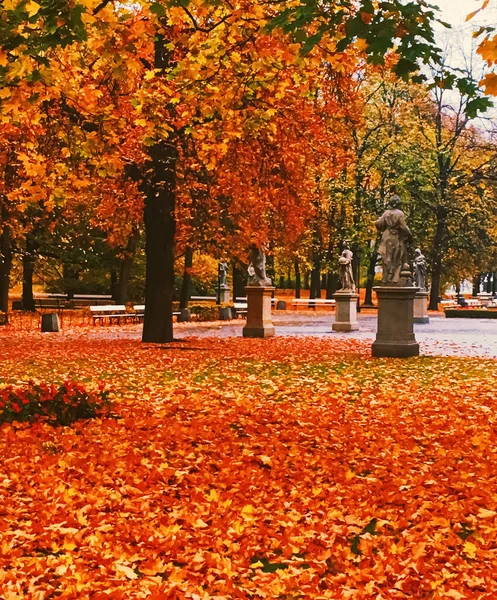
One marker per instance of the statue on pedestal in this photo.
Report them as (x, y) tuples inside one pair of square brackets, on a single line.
[(393, 245), (419, 268), (345, 270), (257, 267), (223, 273)]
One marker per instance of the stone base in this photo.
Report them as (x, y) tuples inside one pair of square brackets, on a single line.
[(49, 322), (421, 319), (224, 295), (421, 308), (258, 332), (395, 350), (259, 322), (346, 312), (395, 334)]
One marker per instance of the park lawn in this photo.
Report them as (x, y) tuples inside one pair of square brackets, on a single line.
[(282, 468)]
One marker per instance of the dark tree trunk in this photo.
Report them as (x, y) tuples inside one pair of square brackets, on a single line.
[(187, 278), (281, 284), (324, 281), (160, 229), (436, 265), (289, 283), (5, 268), (368, 297), (239, 282), (476, 284), (489, 283), (270, 269), (494, 284), (298, 282), (114, 282), (307, 277), (315, 291), (28, 266), (125, 269), (332, 285)]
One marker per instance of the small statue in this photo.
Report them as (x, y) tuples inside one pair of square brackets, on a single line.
[(223, 273), (419, 268), (393, 245), (346, 275), (257, 267)]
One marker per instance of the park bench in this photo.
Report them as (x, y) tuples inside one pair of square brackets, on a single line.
[(240, 308), (448, 304), (84, 300), (274, 301), (138, 312), (312, 303), (111, 312), (50, 301), (203, 299), (473, 302)]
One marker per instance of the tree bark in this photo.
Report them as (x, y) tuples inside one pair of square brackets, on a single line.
[(368, 298), (298, 282), (436, 263), (239, 282), (125, 269), (476, 284), (160, 229), (332, 285), (28, 264), (315, 291), (5, 268), (187, 278)]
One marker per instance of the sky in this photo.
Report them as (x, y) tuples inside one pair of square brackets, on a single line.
[(455, 11)]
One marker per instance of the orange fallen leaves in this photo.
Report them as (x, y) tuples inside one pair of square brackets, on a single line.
[(282, 468)]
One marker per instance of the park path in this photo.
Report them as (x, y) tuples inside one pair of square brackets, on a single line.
[(444, 337)]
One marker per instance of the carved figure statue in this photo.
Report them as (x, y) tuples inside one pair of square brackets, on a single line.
[(223, 273), (257, 267), (419, 268), (394, 238), (345, 270)]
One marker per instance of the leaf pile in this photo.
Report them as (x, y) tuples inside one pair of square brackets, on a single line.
[(284, 468)]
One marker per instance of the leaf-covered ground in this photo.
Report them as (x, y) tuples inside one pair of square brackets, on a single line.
[(284, 468)]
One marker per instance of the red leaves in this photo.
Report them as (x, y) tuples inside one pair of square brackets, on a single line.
[(252, 469)]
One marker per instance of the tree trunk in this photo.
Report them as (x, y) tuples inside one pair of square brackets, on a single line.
[(436, 265), (239, 282), (298, 282), (28, 265), (160, 229), (476, 284), (368, 297), (187, 278), (332, 285), (5, 268), (315, 291), (125, 269)]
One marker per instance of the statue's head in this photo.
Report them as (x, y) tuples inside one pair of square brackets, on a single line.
[(417, 252), (395, 202)]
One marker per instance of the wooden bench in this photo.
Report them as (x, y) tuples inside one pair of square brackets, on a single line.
[(111, 312), (84, 300), (50, 301), (449, 304), (203, 299), (240, 308), (313, 302), (138, 312)]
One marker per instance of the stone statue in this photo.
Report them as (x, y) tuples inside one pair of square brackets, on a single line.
[(345, 270), (257, 267), (393, 245), (223, 273), (419, 268)]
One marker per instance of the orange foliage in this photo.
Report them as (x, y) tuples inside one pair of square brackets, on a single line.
[(236, 469)]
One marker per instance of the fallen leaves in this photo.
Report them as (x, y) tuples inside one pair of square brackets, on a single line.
[(282, 468)]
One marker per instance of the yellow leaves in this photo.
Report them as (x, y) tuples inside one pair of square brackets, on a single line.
[(128, 572), (470, 550), (32, 8), (4, 61), (484, 513)]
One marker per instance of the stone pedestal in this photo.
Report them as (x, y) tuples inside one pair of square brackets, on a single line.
[(345, 312), (259, 323), (224, 294), (49, 322), (421, 308), (395, 334)]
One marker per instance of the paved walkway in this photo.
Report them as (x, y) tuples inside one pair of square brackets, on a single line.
[(463, 337)]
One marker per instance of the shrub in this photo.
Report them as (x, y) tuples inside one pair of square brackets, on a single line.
[(60, 405)]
